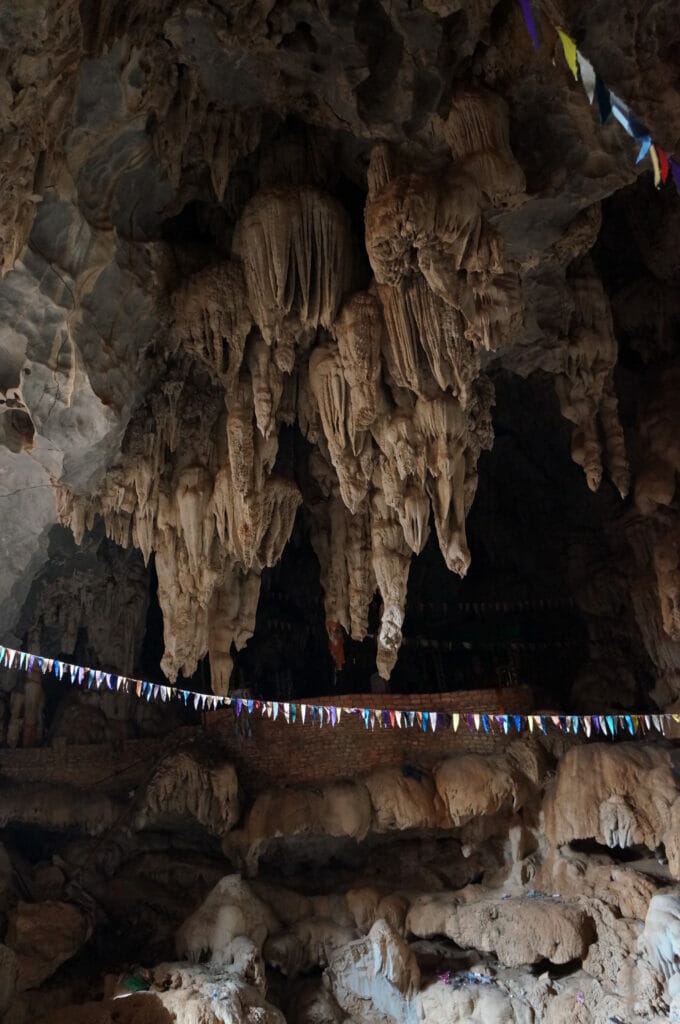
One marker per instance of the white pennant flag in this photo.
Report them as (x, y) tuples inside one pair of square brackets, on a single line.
[(587, 75)]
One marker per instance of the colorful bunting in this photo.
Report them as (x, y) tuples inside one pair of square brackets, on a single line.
[(608, 725), (608, 103)]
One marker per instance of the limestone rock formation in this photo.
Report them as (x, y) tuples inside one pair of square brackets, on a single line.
[(333, 338)]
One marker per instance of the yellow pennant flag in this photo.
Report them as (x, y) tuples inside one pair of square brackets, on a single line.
[(569, 47), (655, 164)]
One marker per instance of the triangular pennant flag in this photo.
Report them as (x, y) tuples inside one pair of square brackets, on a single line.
[(239, 707), (433, 720), (530, 720), (303, 712), (603, 99), (286, 711), (367, 715), (629, 723), (529, 21), (587, 75), (293, 713), (475, 719), (542, 719), (339, 713), (424, 718), (485, 722), (675, 171), (569, 47), (455, 721), (575, 722), (656, 166), (645, 147), (518, 722), (334, 716), (587, 725), (276, 709), (392, 719), (621, 113), (139, 688), (611, 725), (397, 716)]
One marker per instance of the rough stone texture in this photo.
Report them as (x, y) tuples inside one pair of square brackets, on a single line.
[(360, 225), (333, 339), (488, 915), (620, 796), (43, 936)]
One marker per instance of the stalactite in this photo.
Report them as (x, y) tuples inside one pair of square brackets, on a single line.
[(194, 486), (359, 332), (433, 223), (212, 319), (295, 246), (391, 563), (585, 387), (477, 134)]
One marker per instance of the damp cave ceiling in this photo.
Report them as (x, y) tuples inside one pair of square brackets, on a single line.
[(220, 221)]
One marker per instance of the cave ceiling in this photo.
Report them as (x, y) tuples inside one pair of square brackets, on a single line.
[(336, 323)]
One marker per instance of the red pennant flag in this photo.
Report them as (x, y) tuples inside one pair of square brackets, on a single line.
[(663, 164)]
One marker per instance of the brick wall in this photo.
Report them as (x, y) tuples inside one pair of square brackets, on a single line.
[(272, 753)]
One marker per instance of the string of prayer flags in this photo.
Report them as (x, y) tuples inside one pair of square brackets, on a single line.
[(480, 722), (608, 103)]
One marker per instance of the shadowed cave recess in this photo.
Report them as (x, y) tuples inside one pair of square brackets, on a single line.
[(339, 363)]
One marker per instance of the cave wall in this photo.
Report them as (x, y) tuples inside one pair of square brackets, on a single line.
[(277, 272)]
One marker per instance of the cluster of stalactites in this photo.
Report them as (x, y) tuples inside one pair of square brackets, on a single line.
[(585, 385), (396, 454), (384, 383), (195, 487), (429, 229), (296, 249)]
